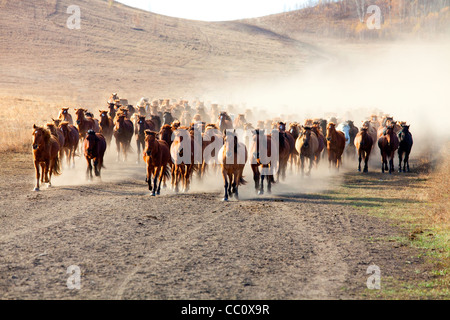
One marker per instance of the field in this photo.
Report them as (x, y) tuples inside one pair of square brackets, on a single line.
[(312, 238)]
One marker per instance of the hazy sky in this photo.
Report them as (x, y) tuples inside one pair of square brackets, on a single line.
[(216, 10)]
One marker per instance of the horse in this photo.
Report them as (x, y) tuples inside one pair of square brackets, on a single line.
[(84, 124), (388, 144), (364, 144), (123, 132), (156, 156), (211, 137), (94, 150), (71, 140), (371, 131), (64, 115), (45, 155), (156, 120), (307, 145), (112, 110), (335, 145), (184, 162), (167, 118), (106, 126), (240, 121), (139, 131), (286, 146), (57, 133), (320, 139), (232, 156), (224, 122), (405, 146), (257, 150)]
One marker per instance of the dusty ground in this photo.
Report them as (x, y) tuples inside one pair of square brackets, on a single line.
[(129, 245)]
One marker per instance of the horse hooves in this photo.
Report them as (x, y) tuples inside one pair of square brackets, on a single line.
[(153, 194), (36, 189), (225, 199), (260, 192), (158, 193)]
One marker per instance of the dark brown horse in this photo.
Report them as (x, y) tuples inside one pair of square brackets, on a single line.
[(94, 150), (57, 133), (156, 156), (106, 126), (123, 132), (286, 146), (320, 139), (405, 146), (45, 155), (139, 131), (224, 122), (71, 140), (335, 145), (363, 143), (388, 144), (261, 153), (233, 156)]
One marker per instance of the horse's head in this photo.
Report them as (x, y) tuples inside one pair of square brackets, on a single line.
[(64, 111), (57, 122), (51, 127), (282, 126), (230, 141), (103, 116), (91, 142), (151, 142), (306, 136), (79, 115), (40, 136), (331, 129), (140, 124), (120, 120)]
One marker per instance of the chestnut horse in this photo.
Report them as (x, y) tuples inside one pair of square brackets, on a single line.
[(307, 145), (320, 139), (156, 156), (405, 146), (123, 132), (232, 157), (71, 140), (57, 133), (335, 145), (139, 131), (94, 150), (84, 123), (363, 143), (106, 126), (260, 158), (388, 144), (64, 115), (45, 155)]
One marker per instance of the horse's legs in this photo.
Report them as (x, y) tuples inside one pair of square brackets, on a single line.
[(400, 157), (256, 175), (155, 180), (366, 161), (302, 160), (406, 162), (89, 169), (187, 176), (149, 176), (261, 186), (138, 145), (96, 167), (225, 179), (118, 149), (161, 175), (46, 169), (269, 183), (311, 163), (38, 175)]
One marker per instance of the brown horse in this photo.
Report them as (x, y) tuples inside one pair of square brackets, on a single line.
[(388, 144), (286, 146), (71, 140), (106, 126), (64, 115), (224, 122), (321, 140), (335, 145), (84, 123), (123, 132), (261, 152), (156, 156), (183, 159), (139, 131), (94, 150), (363, 143), (57, 133), (45, 155), (307, 145), (233, 156), (405, 145), (371, 131)]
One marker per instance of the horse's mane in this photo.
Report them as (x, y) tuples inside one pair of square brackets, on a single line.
[(46, 132), (225, 114), (211, 126)]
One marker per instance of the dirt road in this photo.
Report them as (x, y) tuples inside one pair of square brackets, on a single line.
[(129, 245)]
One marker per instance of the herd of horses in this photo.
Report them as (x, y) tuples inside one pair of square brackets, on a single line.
[(175, 140)]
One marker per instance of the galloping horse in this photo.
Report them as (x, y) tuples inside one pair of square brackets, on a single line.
[(94, 150), (265, 150), (286, 146), (371, 131), (57, 133), (156, 156), (106, 126), (320, 139), (211, 136), (139, 131), (167, 118), (364, 144), (307, 145), (232, 156), (64, 115), (45, 155), (85, 123), (123, 132), (335, 145), (405, 146), (71, 140), (388, 144), (224, 122)]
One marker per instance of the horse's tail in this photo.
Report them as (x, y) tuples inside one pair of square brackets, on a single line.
[(57, 166), (242, 181), (166, 171)]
